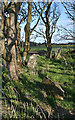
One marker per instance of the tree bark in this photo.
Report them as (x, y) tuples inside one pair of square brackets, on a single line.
[(19, 58), (12, 37), (3, 39), (27, 32), (48, 37), (49, 49)]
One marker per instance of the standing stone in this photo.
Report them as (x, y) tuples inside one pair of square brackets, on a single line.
[(32, 61), (58, 53)]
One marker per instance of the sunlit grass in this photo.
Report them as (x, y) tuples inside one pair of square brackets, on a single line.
[(30, 87)]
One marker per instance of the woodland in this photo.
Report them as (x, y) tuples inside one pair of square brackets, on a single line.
[(37, 82)]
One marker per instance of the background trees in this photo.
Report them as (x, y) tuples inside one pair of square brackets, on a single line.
[(33, 15), (68, 33), (49, 18), (70, 9)]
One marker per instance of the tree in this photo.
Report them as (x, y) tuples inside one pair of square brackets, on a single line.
[(70, 9), (19, 57), (27, 32), (3, 38), (49, 17), (11, 34), (28, 29), (68, 32)]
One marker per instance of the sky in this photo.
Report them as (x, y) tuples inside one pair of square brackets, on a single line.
[(63, 20)]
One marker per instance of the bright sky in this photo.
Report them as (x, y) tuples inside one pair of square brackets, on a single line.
[(63, 20)]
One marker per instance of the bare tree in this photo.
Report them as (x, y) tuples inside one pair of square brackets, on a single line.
[(68, 32), (70, 9), (65, 33), (49, 17), (28, 30)]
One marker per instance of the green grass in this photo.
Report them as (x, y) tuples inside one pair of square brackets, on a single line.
[(54, 47), (31, 90), (38, 48)]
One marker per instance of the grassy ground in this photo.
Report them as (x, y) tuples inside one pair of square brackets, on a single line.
[(29, 98), (54, 47)]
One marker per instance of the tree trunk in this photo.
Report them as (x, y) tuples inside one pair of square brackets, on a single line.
[(3, 39), (27, 32), (27, 47), (48, 37), (49, 49), (19, 58), (3, 51), (12, 36)]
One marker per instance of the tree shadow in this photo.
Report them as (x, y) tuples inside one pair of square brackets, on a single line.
[(59, 111), (63, 114), (33, 88), (60, 73), (69, 92)]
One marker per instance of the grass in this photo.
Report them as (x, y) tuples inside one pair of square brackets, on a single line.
[(29, 90), (36, 48), (54, 47)]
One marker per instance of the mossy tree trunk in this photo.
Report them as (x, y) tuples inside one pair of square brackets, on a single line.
[(10, 32), (11, 38), (27, 32), (3, 39), (19, 58)]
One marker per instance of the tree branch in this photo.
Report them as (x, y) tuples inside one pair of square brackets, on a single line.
[(38, 18)]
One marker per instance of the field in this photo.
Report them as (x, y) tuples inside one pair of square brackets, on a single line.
[(28, 99), (54, 47)]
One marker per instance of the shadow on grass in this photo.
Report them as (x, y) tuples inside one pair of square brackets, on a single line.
[(63, 113), (33, 88), (60, 73), (70, 93)]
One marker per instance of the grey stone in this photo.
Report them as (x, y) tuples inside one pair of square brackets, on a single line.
[(32, 61), (54, 88), (58, 53)]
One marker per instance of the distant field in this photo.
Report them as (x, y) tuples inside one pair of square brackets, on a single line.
[(54, 47), (36, 48)]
